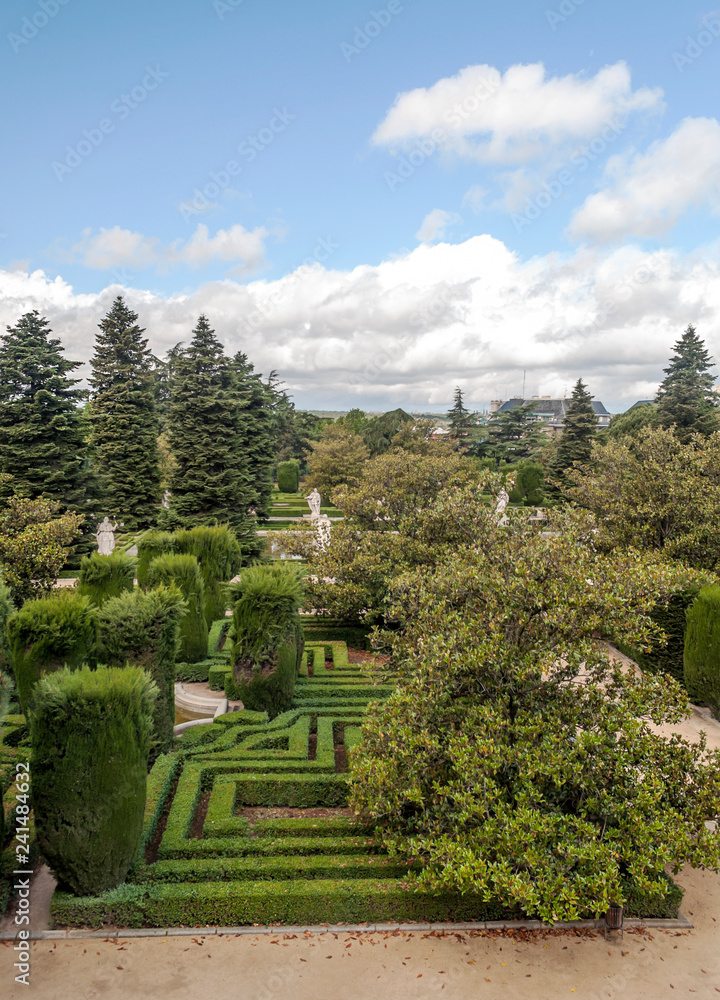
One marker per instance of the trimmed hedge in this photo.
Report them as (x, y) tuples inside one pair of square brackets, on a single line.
[(50, 633), (151, 545), (265, 644), (184, 572), (90, 734), (194, 673), (273, 693), (671, 618), (294, 901), (102, 577), (702, 649), (218, 630), (143, 629), (288, 476), (216, 549), (219, 556)]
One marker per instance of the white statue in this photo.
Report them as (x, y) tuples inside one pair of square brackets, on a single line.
[(501, 503), (323, 526), (314, 501), (166, 499), (105, 535)]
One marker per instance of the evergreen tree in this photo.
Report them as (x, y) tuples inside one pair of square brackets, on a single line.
[(459, 416), (255, 429), (42, 437), (579, 432), (685, 397), (210, 482), (124, 419), (513, 435)]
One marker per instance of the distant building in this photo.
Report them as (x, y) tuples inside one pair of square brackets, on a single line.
[(550, 412)]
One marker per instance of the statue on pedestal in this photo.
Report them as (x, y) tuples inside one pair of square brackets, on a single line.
[(314, 502), (105, 535)]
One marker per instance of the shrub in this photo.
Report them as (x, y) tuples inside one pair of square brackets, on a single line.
[(270, 692), (102, 577), (90, 735), (151, 545), (702, 649), (6, 609), (143, 628), (265, 640), (671, 617), (219, 556), (288, 476), (47, 634), (183, 570)]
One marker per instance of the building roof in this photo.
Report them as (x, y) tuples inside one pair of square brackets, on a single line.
[(556, 409)]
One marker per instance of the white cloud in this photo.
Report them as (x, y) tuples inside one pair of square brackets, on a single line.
[(517, 116), (435, 225), (476, 198), (407, 331), (116, 248), (647, 193)]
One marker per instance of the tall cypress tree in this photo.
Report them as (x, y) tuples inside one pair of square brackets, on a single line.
[(579, 430), (124, 418), (42, 439), (210, 483), (459, 416), (255, 430), (685, 397)]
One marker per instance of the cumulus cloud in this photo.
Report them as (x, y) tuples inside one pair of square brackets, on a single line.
[(516, 116), (646, 193), (435, 225), (407, 331), (118, 248)]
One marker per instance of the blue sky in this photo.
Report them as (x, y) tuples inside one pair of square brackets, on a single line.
[(276, 161)]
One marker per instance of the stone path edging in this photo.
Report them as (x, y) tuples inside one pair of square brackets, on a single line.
[(678, 923)]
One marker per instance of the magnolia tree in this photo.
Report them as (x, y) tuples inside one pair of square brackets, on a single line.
[(379, 537), (514, 757), (35, 542), (655, 492)]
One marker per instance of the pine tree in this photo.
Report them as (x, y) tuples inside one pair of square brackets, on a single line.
[(459, 416), (579, 431), (513, 435), (685, 397), (124, 419), (255, 429), (210, 482), (42, 437)]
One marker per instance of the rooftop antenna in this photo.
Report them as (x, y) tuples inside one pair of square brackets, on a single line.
[(523, 392)]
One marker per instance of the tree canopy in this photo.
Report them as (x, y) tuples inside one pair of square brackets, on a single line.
[(654, 492), (513, 757), (124, 419), (210, 482), (685, 399), (42, 445)]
